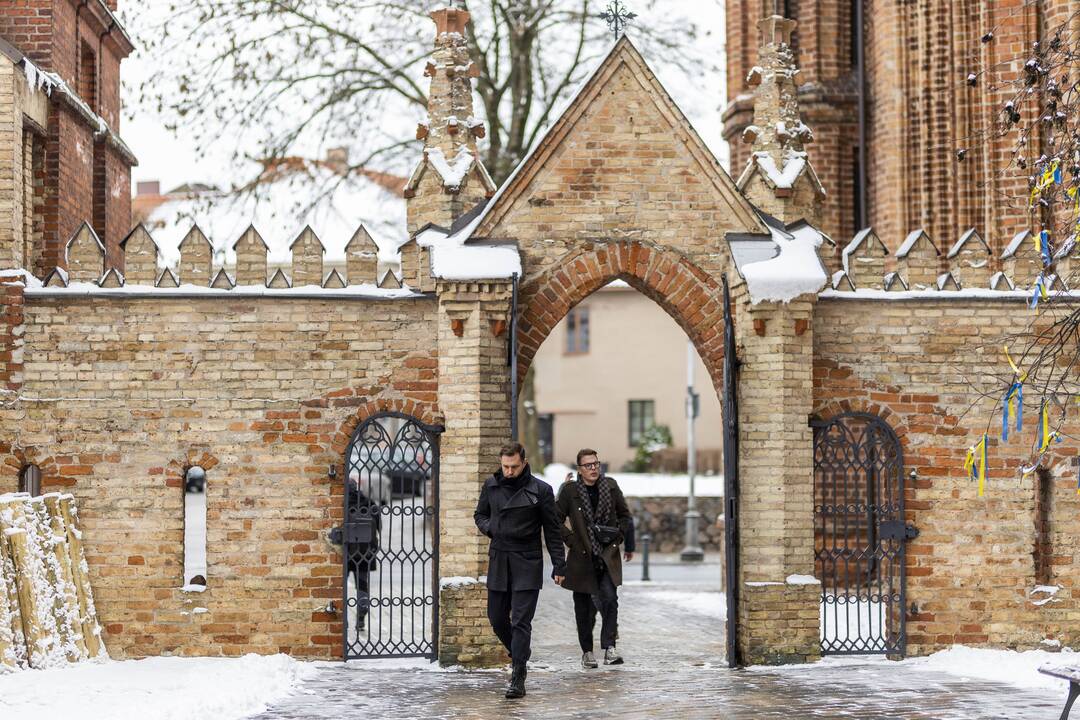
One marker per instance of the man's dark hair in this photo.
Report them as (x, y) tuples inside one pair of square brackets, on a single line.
[(512, 448), (585, 453)]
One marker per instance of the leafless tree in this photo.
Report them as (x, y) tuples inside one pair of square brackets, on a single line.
[(1036, 121), (276, 78)]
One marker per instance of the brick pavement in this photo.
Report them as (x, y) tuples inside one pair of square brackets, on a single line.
[(674, 648)]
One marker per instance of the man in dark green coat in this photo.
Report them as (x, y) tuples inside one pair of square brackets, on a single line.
[(599, 521)]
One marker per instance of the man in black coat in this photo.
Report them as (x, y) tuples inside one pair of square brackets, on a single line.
[(513, 509)]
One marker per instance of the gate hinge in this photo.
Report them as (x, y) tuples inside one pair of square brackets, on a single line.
[(335, 536)]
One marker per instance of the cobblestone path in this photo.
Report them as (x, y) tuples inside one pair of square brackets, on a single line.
[(672, 637)]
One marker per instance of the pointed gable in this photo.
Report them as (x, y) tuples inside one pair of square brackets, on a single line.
[(251, 251), (622, 157), (864, 259), (334, 280), (969, 260), (112, 278), (196, 258), (280, 280), (140, 256), (361, 258), (918, 260), (85, 255), (307, 258)]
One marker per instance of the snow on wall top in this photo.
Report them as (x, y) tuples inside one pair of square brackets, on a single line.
[(796, 271), (280, 211)]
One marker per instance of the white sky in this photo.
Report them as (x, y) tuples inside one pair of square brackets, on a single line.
[(173, 160)]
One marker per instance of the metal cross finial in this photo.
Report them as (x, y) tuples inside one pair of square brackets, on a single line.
[(617, 16)]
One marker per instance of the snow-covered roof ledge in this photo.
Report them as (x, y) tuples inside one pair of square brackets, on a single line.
[(19, 276), (453, 257), (795, 270)]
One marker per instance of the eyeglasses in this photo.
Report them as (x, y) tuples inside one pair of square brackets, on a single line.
[(590, 466)]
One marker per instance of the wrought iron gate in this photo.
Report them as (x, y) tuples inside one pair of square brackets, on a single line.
[(730, 412), (860, 535), (391, 539)]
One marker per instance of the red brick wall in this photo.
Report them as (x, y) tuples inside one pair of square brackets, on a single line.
[(920, 109), (83, 182)]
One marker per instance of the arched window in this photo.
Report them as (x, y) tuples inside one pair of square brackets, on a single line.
[(30, 480), (195, 528)]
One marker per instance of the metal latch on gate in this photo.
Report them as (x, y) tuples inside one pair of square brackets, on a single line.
[(897, 530), (352, 533)]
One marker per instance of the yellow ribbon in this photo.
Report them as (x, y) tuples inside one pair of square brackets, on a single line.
[(1021, 377)]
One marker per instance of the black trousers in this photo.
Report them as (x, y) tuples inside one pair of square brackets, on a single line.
[(606, 602), (511, 615)]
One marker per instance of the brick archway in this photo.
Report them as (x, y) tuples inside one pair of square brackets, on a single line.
[(691, 297)]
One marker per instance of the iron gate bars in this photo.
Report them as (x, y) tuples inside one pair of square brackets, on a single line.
[(859, 554), (390, 539)]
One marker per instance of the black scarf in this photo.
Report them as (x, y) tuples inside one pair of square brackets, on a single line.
[(603, 513)]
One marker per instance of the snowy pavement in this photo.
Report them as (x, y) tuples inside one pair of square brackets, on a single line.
[(672, 637)]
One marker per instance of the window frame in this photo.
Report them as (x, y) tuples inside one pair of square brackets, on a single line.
[(578, 338), (641, 405), (35, 483)]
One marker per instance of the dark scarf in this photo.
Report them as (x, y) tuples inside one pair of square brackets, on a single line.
[(603, 513), (515, 483)]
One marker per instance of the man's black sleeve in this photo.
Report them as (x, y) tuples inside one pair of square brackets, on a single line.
[(552, 532), (482, 516)]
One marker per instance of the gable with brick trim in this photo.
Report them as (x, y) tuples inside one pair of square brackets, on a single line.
[(622, 162)]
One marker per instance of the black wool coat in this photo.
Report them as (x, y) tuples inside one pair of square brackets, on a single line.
[(514, 515), (580, 574)]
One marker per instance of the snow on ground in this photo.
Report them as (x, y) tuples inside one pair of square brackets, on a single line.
[(1005, 666), (713, 604), (647, 484), (176, 689)]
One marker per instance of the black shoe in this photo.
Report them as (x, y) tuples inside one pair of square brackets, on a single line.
[(516, 688)]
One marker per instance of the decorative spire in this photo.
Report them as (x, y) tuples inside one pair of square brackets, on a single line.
[(778, 163), (778, 128), (450, 178)]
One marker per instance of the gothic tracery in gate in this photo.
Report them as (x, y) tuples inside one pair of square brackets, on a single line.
[(390, 539), (859, 535)]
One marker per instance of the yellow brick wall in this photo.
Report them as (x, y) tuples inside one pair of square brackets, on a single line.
[(121, 394)]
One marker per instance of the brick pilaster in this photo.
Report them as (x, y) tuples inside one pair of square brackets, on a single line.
[(778, 611), (475, 400)]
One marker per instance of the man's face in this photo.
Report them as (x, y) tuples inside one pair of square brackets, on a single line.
[(512, 465), (589, 467)]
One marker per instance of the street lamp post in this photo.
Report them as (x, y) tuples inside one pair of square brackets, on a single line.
[(692, 552)]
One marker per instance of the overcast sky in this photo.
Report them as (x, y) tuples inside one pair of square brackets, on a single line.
[(173, 161)]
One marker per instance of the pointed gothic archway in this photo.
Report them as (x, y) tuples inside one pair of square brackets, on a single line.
[(698, 304), (690, 296)]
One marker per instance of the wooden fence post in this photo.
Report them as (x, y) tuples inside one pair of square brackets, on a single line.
[(68, 615), (9, 659), (91, 631)]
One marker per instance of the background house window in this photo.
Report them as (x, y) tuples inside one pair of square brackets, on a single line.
[(30, 480), (577, 330), (195, 527), (642, 417)]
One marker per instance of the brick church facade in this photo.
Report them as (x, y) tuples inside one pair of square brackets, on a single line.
[(898, 90), (842, 398)]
